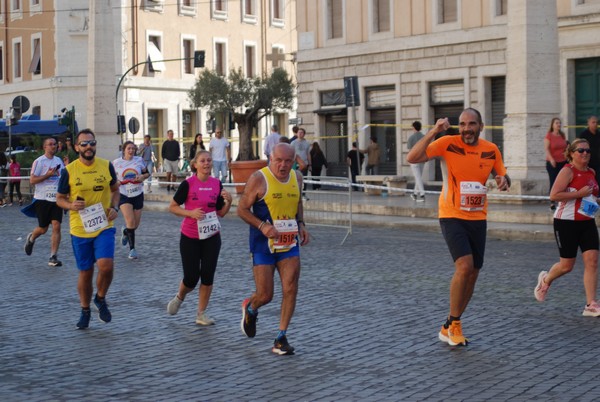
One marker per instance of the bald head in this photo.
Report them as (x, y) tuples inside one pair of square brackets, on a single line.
[(284, 150), (282, 160)]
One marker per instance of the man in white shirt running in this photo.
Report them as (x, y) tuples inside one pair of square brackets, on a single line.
[(45, 173)]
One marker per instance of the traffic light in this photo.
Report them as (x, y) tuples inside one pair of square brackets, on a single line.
[(121, 127), (199, 58)]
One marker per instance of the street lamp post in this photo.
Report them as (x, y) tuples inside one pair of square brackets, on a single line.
[(198, 62)]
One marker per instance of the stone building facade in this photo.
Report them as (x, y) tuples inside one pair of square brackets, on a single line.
[(520, 63), (88, 47)]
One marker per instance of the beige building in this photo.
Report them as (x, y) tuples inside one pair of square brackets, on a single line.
[(135, 57), (519, 62)]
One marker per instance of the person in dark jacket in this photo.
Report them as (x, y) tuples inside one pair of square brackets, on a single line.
[(318, 161), (198, 145)]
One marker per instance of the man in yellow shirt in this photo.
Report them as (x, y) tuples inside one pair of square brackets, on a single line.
[(272, 205), (467, 162), (88, 188)]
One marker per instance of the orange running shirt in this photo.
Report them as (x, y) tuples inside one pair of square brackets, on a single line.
[(465, 169)]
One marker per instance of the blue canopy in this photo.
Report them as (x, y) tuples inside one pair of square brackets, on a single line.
[(35, 127)]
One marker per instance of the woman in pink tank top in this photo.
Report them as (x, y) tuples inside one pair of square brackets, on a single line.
[(200, 200)]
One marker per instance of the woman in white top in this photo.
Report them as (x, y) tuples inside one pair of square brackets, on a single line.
[(131, 173)]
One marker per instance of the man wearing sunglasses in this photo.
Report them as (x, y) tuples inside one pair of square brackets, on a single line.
[(468, 163), (88, 188)]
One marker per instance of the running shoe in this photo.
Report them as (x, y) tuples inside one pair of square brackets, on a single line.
[(103, 312), (282, 347), (413, 196), (455, 334), (443, 335), (592, 310), (204, 319), (421, 198), (124, 238), (84, 319), (541, 288), (173, 306), (248, 323), (54, 261), (29, 244), (133, 254)]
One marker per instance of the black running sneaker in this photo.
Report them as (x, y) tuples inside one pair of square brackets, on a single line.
[(282, 347), (84, 319), (29, 244), (103, 312), (248, 323), (54, 261)]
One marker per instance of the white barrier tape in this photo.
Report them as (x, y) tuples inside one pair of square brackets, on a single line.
[(391, 189), (410, 190), (14, 178)]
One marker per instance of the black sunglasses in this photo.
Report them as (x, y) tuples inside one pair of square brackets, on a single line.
[(582, 150), (91, 143)]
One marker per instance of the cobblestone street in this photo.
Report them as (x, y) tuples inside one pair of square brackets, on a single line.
[(365, 327)]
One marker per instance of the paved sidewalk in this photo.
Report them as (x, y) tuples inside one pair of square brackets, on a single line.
[(365, 327)]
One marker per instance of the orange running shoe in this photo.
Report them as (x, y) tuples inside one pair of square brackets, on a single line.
[(443, 335), (455, 334)]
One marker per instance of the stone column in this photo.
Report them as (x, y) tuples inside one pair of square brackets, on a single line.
[(101, 113), (532, 91)]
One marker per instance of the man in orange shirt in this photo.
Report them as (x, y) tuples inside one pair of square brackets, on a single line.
[(468, 161)]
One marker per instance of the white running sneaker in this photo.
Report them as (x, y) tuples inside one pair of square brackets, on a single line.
[(592, 310), (173, 306), (541, 288), (204, 319)]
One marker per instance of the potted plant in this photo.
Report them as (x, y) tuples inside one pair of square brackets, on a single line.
[(248, 100)]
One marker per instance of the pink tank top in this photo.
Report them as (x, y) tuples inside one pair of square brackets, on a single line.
[(201, 194)]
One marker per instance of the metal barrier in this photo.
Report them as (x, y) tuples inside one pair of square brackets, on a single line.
[(328, 202)]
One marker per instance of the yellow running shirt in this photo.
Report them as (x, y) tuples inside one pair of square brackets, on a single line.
[(92, 184), (279, 206)]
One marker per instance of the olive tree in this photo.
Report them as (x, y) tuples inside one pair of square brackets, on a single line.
[(247, 99)]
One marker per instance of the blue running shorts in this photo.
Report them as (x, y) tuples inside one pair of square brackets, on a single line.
[(88, 250), (274, 258)]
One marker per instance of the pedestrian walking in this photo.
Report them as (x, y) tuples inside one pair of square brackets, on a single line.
[(220, 151), (146, 152), (4, 172), (14, 184), (555, 144), (318, 160), (417, 168), (170, 152)]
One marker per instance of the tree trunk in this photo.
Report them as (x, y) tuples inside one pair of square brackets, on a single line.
[(245, 128)]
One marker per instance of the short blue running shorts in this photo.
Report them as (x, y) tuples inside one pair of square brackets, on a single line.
[(88, 250), (274, 258)]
